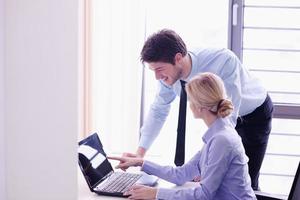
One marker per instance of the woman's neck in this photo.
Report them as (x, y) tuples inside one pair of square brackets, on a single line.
[(209, 118)]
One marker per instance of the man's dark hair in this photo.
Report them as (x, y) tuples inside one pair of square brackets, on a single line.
[(162, 47)]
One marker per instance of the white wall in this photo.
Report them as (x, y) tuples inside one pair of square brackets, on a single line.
[(2, 158), (41, 99)]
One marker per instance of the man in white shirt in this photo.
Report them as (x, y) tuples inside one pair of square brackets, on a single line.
[(165, 53)]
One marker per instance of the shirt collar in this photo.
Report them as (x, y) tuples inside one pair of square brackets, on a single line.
[(193, 67), (215, 128)]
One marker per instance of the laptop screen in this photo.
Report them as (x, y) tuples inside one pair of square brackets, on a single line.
[(92, 160)]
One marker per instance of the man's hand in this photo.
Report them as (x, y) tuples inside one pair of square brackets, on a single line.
[(126, 162), (141, 192), (140, 153)]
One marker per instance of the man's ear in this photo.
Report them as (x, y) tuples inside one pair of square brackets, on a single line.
[(178, 57)]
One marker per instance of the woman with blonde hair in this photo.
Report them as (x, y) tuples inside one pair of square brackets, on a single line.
[(221, 163)]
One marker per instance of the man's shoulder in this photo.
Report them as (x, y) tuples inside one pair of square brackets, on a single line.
[(213, 51), (209, 49)]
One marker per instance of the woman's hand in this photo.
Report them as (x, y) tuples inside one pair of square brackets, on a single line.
[(141, 192), (127, 161)]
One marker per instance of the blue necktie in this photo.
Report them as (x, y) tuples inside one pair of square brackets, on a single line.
[(180, 144)]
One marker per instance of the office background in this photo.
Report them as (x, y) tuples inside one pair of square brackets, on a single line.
[(264, 34), (40, 54), (44, 65)]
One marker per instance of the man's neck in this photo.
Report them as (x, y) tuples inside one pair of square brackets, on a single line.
[(187, 66)]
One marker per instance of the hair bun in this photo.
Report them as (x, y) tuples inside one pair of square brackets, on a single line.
[(224, 108)]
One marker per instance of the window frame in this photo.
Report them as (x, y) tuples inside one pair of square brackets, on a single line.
[(282, 110), (235, 30)]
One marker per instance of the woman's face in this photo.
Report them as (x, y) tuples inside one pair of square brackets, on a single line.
[(196, 110)]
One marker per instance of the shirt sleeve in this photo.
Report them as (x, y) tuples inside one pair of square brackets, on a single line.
[(157, 115), (177, 175), (212, 174), (219, 156), (232, 82), (181, 194)]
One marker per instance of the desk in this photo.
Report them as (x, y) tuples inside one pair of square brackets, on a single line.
[(84, 192)]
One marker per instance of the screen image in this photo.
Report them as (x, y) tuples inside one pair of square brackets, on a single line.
[(93, 161)]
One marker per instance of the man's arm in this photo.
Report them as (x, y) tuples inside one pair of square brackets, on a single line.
[(141, 152), (232, 82), (156, 117)]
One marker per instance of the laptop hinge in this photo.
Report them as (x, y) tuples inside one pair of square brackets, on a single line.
[(104, 177)]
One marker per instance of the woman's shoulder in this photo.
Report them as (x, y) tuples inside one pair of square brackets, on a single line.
[(227, 137)]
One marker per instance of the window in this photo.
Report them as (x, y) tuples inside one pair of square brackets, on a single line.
[(117, 36), (266, 38), (198, 26), (119, 28)]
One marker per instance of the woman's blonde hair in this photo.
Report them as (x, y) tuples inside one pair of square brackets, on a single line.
[(207, 89)]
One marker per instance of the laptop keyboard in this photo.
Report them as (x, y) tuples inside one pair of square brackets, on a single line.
[(119, 182)]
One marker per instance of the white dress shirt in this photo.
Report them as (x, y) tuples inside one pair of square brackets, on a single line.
[(245, 91)]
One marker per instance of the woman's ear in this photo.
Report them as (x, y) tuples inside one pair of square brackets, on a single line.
[(203, 108), (200, 109)]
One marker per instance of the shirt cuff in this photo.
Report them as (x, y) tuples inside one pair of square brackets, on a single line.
[(164, 193), (144, 142), (148, 167)]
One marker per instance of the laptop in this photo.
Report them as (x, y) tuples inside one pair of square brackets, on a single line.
[(98, 171), (294, 192)]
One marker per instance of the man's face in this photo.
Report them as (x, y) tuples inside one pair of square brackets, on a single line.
[(166, 72)]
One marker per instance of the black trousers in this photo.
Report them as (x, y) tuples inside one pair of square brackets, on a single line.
[(254, 130)]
